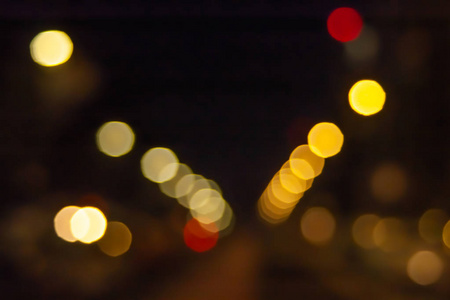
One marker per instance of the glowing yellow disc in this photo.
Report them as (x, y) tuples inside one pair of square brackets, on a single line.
[(115, 139), (51, 48), (366, 97), (62, 223), (88, 224), (325, 139), (159, 164)]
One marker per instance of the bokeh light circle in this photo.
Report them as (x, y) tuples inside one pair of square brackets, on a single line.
[(62, 223), (325, 139), (159, 164), (318, 225), (425, 267), (200, 237), (117, 239), (88, 224), (51, 48), (344, 24), (115, 138), (367, 97)]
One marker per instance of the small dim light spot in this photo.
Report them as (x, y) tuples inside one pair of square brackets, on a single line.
[(362, 230), (117, 239), (317, 225), (365, 47), (88, 224), (51, 48), (62, 223), (344, 24), (446, 234), (425, 268), (431, 225), (198, 238), (159, 164), (367, 97), (325, 139), (388, 182), (115, 139), (303, 154), (390, 234)]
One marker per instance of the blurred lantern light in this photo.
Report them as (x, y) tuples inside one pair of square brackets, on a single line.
[(62, 223), (363, 48), (390, 234), (200, 238), (325, 139), (388, 182), (366, 97), (51, 48), (344, 24), (317, 225), (159, 164), (115, 138), (431, 225), (425, 268), (117, 239), (169, 187), (362, 230), (88, 224), (302, 159), (446, 234)]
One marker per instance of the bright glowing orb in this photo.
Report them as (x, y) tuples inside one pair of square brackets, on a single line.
[(88, 224), (115, 139), (344, 24), (62, 223), (325, 139), (366, 97), (51, 48), (159, 164)]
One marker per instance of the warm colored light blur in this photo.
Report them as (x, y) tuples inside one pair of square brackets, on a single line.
[(362, 230), (425, 267), (62, 223), (366, 97), (317, 225), (302, 160), (51, 48), (117, 239), (200, 238), (225, 222), (169, 187), (431, 225), (446, 234), (344, 24), (159, 164), (88, 224), (390, 234), (207, 206), (388, 182), (290, 182), (281, 193), (325, 139), (192, 184), (115, 139)]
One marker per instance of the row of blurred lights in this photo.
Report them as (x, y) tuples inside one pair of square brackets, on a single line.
[(209, 211)]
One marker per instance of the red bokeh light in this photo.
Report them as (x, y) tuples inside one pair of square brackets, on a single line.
[(344, 24), (200, 238)]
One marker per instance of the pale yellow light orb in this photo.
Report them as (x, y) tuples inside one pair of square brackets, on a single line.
[(159, 164), (62, 223), (318, 225), (366, 97), (51, 48), (325, 139), (117, 239), (425, 267), (88, 224), (115, 139)]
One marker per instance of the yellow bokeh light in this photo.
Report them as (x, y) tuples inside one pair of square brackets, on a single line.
[(325, 139), (62, 223), (431, 225), (281, 193), (115, 139), (159, 164), (88, 224), (117, 239), (51, 48), (446, 234), (390, 234), (366, 97), (317, 225), (388, 182), (169, 187), (425, 267), (302, 161), (207, 207), (362, 230), (290, 182), (191, 184)]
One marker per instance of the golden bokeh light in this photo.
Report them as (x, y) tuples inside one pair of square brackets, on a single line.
[(388, 182), (115, 138), (317, 225), (325, 139), (362, 230), (281, 193), (117, 239), (425, 268), (159, 164), (390, 234), (210, 210), (431, 225), (302, 161), (290, 182), (192, 184), (169, 187), (366, 97), (62, 223), (446, 234), (51, 48), (88, 224)]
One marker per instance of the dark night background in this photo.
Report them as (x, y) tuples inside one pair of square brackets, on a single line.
[(232, 88)]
